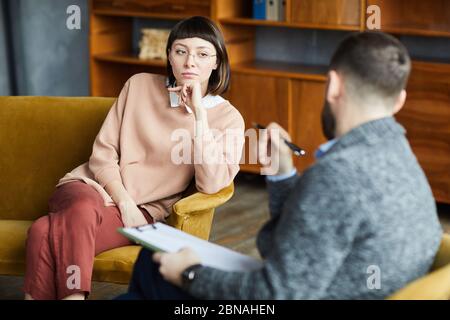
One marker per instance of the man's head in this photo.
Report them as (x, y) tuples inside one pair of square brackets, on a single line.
[(366, 80)]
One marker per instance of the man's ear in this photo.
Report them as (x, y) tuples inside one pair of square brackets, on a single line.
[(400, 102), (335, 87)]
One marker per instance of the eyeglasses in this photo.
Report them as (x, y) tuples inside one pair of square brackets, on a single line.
[(199, 57)]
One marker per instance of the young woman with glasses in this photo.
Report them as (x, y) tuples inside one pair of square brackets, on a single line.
[(134, 174)]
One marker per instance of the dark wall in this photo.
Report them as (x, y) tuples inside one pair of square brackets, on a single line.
[(49, 59), (5, 88)]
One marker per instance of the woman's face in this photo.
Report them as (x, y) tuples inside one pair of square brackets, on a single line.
[(192, 59)]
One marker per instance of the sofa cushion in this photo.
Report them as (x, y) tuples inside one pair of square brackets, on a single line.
[(113, 265), (13, 234)]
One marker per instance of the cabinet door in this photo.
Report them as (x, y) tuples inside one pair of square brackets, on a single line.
[(426, 118), (169, 7), (259, 99), (308, 98), (327, 12), (421, 16)]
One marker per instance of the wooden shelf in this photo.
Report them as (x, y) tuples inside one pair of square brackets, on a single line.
[(257, 67), (415, 32), (128, 58), (282, 69), (437, 63), (139, 14), (268, 23)]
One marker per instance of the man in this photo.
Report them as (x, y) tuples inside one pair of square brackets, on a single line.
[(359, 224)]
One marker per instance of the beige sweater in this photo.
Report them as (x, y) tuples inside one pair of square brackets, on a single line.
[(141, 136)]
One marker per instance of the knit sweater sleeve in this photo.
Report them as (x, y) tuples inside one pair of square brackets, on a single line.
[(278, 193), (309, 245), (104, 160), (217, 154)]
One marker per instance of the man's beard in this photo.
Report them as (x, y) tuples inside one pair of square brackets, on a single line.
[(328, 121)]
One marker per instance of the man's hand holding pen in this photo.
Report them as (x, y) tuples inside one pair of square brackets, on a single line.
[(274, 154)]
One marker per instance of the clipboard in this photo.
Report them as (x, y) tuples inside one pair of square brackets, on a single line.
[(161, 237)]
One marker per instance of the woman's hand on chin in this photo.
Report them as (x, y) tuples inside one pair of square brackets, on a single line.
[(191, 95)]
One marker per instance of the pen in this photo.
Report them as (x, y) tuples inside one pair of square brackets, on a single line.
[(296, 149)]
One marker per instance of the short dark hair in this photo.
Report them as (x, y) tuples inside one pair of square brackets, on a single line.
[(374, 61), (206, 29)]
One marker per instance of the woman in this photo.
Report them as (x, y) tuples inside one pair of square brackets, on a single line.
[(134, 175)]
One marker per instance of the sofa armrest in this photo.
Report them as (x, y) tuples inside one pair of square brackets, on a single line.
[(200, 202), (443, 255)]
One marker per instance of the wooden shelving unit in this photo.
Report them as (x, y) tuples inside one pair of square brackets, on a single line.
[(304, 25), (281, 69), (137, 14), (128, 58), (415, 32), (285, 85), (290, 94)]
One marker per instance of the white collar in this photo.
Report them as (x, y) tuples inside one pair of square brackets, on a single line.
[(208, 101)]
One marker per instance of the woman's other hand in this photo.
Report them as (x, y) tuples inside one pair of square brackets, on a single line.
[(131, 215)]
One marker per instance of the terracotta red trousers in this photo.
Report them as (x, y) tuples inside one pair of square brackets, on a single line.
[(61, 246)]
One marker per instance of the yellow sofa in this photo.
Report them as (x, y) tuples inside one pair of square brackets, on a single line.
[(42, 138)]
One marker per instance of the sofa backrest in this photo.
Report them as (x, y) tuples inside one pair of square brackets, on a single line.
[(41, 139)]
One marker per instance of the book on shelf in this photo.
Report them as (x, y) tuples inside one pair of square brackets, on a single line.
[(271, 10), (281, 10), (259, 9)]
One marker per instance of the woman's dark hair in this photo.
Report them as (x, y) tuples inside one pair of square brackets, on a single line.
[(206, 29)]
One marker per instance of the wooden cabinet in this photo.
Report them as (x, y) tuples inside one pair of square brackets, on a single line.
[(157, 8), (289, 93), (298, 109), (307, 102), (255, 100), (426, 117), (417, 17), (325, 12)]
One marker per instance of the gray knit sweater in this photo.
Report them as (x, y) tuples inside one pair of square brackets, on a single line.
[(359, 224)]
